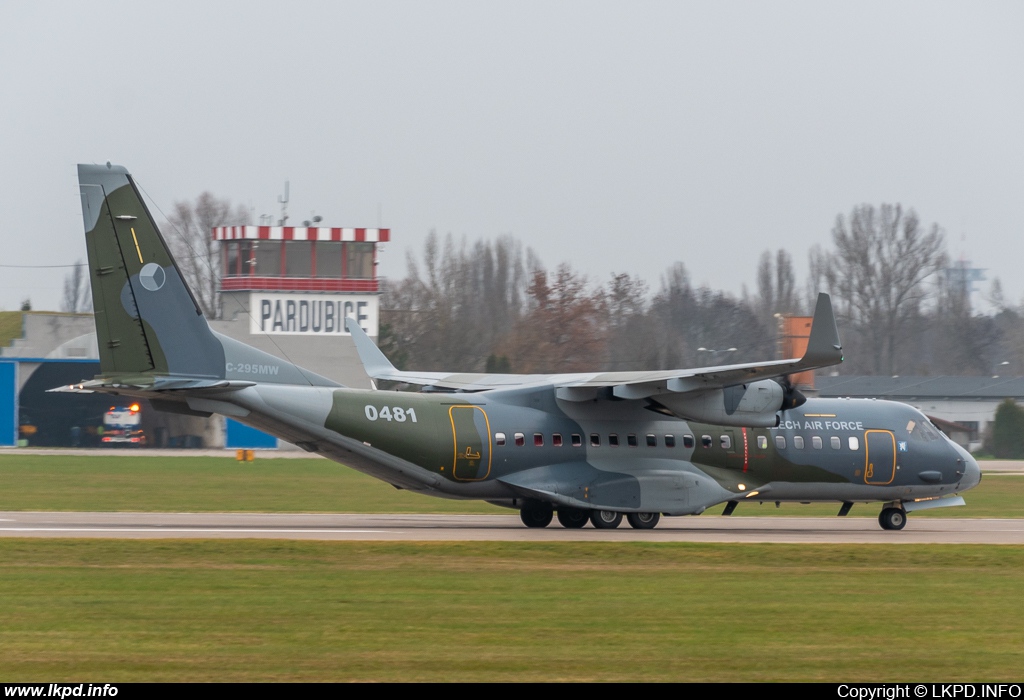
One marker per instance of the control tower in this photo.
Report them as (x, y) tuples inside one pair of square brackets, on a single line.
[(288, 289)]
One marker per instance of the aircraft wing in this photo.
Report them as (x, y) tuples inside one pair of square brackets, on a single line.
[(823, 350)]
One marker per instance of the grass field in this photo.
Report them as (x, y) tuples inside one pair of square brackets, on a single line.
[(112, 611), (256, 610), (217, 484), (204, 484), (10, 327)]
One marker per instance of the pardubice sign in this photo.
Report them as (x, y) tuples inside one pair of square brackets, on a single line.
[(311, 314)]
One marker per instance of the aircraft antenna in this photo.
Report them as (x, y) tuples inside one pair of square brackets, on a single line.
[(284, 206)]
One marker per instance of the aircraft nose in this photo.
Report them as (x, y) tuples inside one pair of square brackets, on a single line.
[(972, 473)]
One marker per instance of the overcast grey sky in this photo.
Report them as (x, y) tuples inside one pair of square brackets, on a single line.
[(616, 136)]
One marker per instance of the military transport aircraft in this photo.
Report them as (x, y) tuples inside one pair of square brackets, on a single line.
[(589, 447)]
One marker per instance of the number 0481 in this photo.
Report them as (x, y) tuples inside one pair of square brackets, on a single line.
[(389, 413)]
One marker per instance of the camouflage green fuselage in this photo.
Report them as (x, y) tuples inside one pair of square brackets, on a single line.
[(620, 455)]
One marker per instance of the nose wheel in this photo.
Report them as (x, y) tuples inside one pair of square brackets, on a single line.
[(892, 518)]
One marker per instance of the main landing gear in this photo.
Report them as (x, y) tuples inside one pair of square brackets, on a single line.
[(574, 518), (643, 521), (536, 517), (892, 518), (605, 519)]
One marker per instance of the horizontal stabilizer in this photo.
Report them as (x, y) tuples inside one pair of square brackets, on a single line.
[(153, 384)]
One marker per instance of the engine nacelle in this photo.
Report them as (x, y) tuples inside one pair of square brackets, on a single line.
[(752, 405)]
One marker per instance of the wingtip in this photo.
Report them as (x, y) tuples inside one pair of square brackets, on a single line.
[(823, 346), (375, 363)]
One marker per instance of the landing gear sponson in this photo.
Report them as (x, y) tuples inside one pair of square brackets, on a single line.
[(573, 518)]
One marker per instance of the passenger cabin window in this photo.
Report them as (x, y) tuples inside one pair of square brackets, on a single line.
[(499, 438), (652, 440), (725, 441), (538, 440), (595, 440), (520, 439), (613, 440), (798, 442), (836, 443), (577, 440), (705, 441), (854, 444), (688, 441), (762, 442), (780, 442), (670, 441), (556, 439), (816, 442), (631, 439)]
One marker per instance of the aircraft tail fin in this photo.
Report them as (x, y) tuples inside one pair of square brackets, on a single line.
[(147, 321)]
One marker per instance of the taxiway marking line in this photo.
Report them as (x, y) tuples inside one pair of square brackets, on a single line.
[(194, 529)]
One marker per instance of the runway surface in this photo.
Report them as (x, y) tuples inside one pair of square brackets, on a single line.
[(404, 528)]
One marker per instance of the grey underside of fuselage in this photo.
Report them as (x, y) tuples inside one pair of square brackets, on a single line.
[(788, 491)]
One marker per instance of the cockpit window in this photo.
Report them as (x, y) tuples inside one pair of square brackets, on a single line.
[(923, 430), (929, 431)]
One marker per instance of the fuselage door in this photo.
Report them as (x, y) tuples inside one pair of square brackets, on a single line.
[(880, 457), (471, 433)]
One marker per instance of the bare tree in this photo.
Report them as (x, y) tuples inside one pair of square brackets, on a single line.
[(882, 258), (565, 327), (77, 292), (776, 285), (197, 254), (631, 337), (452, 310)]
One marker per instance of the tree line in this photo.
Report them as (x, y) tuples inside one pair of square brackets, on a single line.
[(903, 308), (493, 305)]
